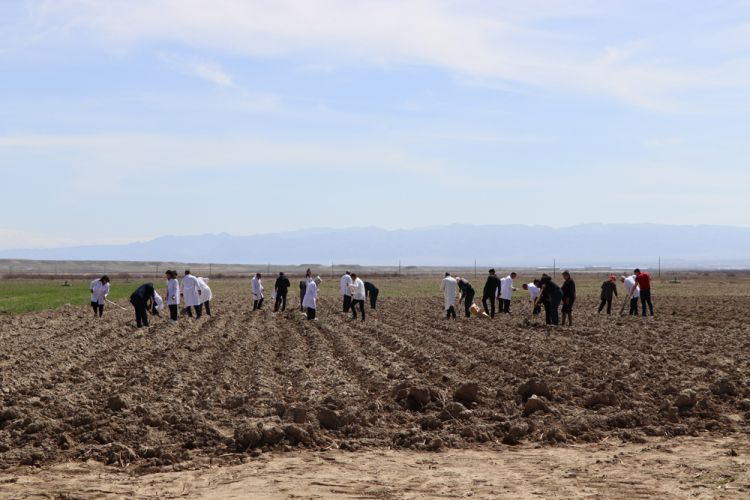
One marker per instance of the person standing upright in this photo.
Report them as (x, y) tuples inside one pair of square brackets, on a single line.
[(191, 294), (372, 293), (173, 294), (644, 284), (609, 289), (568, 297), (466, 295), (99, 290), (631, 288), (506, 292), (344, 282), (206, 295), (257, 286), (282, 288), (448, 287), (358, 294), (491, 287)]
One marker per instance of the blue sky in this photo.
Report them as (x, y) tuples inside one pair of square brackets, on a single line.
[(126, 120)]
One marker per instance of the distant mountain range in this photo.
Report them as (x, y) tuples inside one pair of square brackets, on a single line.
[(616, 245)]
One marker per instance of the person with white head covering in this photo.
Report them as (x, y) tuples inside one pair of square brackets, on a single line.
[(191, 294), (310, 301), (173, 294), (206, 295), (99, 290), (448, 287), (257, 284)]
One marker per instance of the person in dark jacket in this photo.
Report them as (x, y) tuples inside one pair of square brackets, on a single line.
[(282, 287), (372, 292), (568, 298), (491, 287), (550, 297), (466, 295), (609, 289), (142, 300), (303, 289)]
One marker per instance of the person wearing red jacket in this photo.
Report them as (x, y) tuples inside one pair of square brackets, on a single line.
[(644, 283)]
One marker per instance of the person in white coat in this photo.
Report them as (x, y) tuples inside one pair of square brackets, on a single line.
[(191, 294), (506, 293), (534, 288), (310, 302), (257, 285), (448, 286), (358, 294), (206, 295), (99, 290), (631, 288), (173, 294), (344, 291)]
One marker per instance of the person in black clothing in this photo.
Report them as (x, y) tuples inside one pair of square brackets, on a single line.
[(568, 298), (467, 294), (142, 300), (372, 292), (303, 289), (550, 297), (491, 287), (609, 289), (282, 287)]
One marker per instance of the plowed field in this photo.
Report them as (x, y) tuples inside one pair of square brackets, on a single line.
[(76, 388)]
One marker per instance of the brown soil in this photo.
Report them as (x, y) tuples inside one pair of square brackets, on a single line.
[(75, 389)]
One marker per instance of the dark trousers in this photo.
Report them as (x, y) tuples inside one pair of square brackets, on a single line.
[(634, 306), (280, 301), (551, 310), (373, 299), (361, 304), (608, 302), (505, 306), (173, 312), (347, 303), (451, 313), (207, 307), (98, 308), (310, 313), (490, 311), (646, 299), (302, 291), (468, 301), (257, 304), (198, 311), (141, 314)]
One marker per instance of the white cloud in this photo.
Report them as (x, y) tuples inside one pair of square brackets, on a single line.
[(500, 41), (206, 70)]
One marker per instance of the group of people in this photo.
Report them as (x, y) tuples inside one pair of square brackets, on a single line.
[(194, 291), (543, 292)]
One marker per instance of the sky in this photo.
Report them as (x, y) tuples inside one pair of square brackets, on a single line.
[(126, 120)]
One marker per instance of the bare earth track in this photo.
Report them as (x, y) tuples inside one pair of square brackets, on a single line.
[(240, 383)]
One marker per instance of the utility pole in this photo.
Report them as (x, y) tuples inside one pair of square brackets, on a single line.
[(332, 272), (659, 275), (399, 267)]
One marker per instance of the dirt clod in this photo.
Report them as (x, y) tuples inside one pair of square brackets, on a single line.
[(532, 387), (467, 393)]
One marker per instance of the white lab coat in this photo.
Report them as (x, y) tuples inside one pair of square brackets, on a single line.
[(311, 295), (99, 291), (533, 291), (629, 284), (158, 301), (346, 280), (173, 292), (448, 286), (506, 288), (257, 288), (190, 291), (206, 294), (357, 289)]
